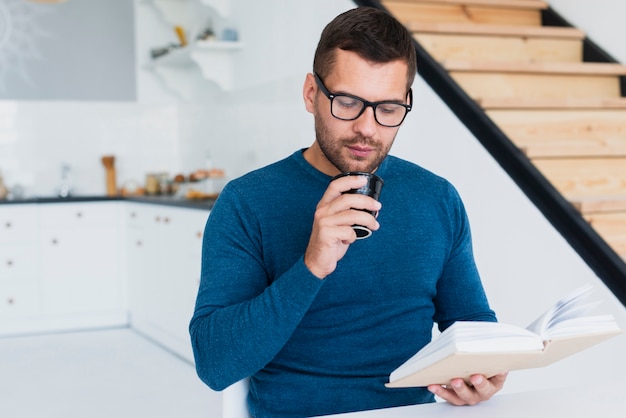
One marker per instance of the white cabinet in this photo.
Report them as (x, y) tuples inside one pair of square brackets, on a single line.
[(60, 267), (19, 268), (141, 262), (81, 273), (76, 265), (163, 267)]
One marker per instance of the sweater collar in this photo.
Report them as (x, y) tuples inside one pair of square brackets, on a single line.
[(298, 156)]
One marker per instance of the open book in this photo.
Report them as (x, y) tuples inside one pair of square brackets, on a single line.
[(489, 348)]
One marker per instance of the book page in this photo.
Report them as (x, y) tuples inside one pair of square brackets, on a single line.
[(572, 306)]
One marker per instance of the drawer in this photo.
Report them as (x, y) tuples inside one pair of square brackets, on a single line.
[(79, 214), (19, 262), (18, 223), (140, 216), (19, 300)]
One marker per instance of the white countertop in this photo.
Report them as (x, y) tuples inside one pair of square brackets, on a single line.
[(606, 400)]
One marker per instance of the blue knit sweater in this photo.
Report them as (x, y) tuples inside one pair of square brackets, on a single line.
[(316, 347)]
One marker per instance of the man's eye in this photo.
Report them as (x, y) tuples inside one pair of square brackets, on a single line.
[(389, 108), (347, 102)]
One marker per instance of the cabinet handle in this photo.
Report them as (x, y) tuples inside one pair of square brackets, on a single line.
[(133, 215), (8, 225), (10, 301), (79, 215), (157, 219), (54, 241), (166, 220), (139, 243), (9, 263)]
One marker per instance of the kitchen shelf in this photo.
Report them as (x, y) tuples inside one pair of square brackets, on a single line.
[(214, 59)]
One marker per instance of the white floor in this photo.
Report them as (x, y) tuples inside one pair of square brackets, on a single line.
[(107, 373)]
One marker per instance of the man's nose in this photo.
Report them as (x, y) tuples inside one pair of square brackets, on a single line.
[(366, 123)]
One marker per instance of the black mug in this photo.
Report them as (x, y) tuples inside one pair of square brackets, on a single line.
[(372, 189)]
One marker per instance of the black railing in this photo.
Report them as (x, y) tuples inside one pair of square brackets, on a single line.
[(598, 255)]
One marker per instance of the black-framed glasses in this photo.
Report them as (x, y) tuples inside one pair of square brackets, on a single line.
[(343, 106)]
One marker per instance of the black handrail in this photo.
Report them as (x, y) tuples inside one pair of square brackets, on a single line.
[(598, 255)]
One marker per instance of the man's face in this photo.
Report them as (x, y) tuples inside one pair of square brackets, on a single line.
[(360, 144)]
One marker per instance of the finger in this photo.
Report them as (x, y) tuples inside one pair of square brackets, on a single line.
[(486, 388), (341, 185), (459, 393), (358, 202), (464, 392), (355, 217), (447, 394), (499, 379)]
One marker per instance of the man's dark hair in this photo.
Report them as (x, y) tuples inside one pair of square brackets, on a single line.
[(373, 34)]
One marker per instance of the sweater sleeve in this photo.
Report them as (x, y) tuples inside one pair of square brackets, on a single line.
[(460, 293), (241, 321)]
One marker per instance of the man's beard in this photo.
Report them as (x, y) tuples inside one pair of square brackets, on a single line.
[(333, 148)]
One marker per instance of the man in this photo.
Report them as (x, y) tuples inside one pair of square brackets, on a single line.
[(289, 297)]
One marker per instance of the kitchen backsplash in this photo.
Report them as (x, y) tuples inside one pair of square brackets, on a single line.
[(38, 138)]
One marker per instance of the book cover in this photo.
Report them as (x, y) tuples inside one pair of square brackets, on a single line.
[(488, 348)]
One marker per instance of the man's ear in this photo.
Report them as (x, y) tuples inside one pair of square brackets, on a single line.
[(309, 90)]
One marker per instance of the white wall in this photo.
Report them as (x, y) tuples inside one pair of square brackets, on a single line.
[(525, 264), (602, 20), (75, 50)]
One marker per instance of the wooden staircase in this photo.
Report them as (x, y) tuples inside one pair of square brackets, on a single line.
[(566, 115)]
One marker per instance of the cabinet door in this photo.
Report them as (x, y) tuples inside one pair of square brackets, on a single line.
[(19, 300), (18, 242), (19, 262), (80, 258), (184, 249), (142, 259), (18, 224), (164, 246)]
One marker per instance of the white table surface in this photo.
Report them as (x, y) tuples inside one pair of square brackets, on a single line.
[(587, 400)]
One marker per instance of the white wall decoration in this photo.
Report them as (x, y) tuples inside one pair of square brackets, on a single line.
[(18, 34)]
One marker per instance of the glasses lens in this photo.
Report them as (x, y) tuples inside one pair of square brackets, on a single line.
[(350, 108), (346, 107), (390, 114)]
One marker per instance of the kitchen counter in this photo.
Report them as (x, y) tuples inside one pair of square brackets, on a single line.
[(158, 200)]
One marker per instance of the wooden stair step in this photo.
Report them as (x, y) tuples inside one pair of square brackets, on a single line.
[(612, 228), (543, 80), (496, 30), (551, 103), (520, 4), (565, 132), (508, 48), (550, 148), (600, 204), (585, 177), (509, 12), (542, 86), (583, 68)]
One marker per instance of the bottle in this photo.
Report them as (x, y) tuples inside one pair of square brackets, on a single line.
[(4, 191), (65, 188)]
